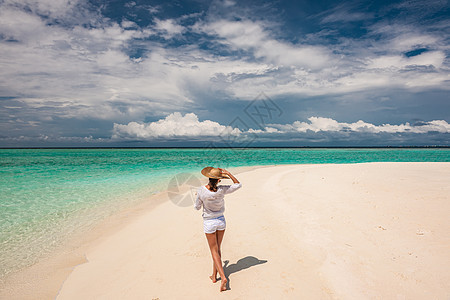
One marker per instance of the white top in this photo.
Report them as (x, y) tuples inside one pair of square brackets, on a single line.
[(213, 202)]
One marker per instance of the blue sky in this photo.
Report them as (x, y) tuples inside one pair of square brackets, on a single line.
[(225, 73)]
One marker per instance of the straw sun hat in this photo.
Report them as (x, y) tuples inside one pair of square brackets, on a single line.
[(215, 173)]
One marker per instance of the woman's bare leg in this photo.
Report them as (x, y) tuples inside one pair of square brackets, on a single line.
[(214, 248), (219, 237)]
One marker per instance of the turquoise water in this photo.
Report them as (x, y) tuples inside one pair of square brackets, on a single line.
[(49, 194)]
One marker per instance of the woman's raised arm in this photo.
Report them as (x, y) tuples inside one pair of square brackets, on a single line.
[(225, 172)]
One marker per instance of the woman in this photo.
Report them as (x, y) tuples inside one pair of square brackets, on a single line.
[(211, 197)]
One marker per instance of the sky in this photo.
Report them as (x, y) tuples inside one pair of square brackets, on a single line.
[(78, 73)]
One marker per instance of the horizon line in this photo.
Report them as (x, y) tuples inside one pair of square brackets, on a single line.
[(230, 147)]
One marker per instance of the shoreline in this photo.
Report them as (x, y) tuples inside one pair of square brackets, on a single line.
[(44, 278), (59, 280)]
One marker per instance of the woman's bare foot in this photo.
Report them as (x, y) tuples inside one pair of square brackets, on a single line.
[(213, 278), (223, 285)]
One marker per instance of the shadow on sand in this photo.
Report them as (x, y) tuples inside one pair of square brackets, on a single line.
[(243, 263)]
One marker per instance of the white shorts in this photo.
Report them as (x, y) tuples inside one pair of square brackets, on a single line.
[(211, 225)]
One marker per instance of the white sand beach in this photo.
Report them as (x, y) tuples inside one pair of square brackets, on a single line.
[(353, 231)]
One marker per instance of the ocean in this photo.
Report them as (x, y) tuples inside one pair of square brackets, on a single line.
[(48, 195)]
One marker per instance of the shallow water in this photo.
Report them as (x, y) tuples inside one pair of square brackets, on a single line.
[(49, 194)]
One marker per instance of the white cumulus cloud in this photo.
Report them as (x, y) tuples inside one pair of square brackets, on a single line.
[(253, 36), (169, 27), (174, 125), (317, 124), (177, 125)]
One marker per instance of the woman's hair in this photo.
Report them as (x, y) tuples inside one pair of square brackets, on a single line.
[(213, 184)]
